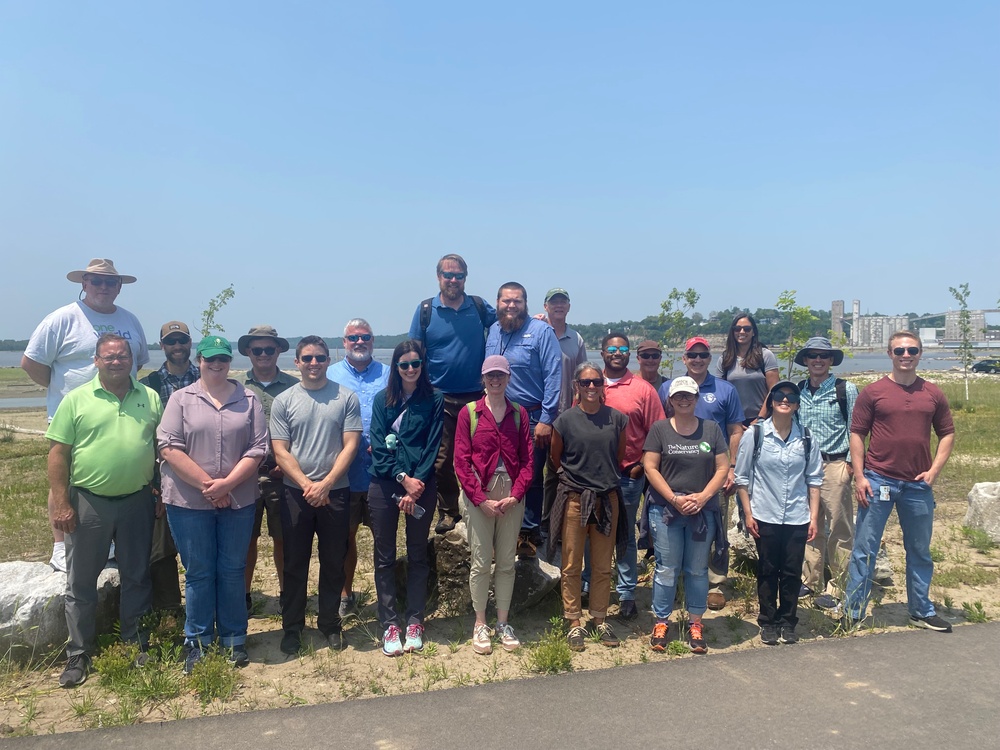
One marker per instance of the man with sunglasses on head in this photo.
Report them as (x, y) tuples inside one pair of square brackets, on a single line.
[(452, 326), (263, 345), (718, 401), (897, 414), (360, 372), (177, 371), (532, 349), (60, 352), (827, 403)]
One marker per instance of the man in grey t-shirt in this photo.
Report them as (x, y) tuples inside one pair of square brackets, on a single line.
[(315, 433)]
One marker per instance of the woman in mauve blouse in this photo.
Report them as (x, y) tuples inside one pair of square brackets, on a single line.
[(494, 466), (211, 439)]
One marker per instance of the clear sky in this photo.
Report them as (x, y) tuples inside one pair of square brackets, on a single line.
[(322, 156)]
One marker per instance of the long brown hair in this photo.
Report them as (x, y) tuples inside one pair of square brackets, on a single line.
[(755, 355), (394, 391)]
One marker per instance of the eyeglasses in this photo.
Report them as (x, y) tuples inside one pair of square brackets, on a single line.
[(590, 382), (742, 329), (913, 351), (648, 355), (308, 358), (697, 355), (111, 358), (613, 349), (495, 375), (413, 363), (109, 281), (819, 355), (683, 396), (258, 351), (448, 275), (354, 337), (176, 340), (218, 358), (779, 396)]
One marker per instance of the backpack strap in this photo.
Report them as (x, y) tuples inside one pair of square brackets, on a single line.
[(474, 417), (841, 387), (153, 380), (425, 316), (427, 305), (484, 317)]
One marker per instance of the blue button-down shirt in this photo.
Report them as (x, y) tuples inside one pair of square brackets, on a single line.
[(366, 384), (535, 365)]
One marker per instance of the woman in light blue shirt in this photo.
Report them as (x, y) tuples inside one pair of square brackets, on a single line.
[(778, 476)]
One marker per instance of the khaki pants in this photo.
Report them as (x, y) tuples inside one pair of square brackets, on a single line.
[(493, 539), (574, 538), (836, 513)]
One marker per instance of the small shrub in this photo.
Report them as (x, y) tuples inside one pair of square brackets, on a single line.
[(974, 612), (551, 654), (678, 648), (978, 539), (214, 677), (937, 554)]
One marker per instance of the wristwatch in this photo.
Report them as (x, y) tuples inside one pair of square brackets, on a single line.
[(401, 476)]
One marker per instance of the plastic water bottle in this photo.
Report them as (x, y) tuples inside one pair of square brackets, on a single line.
[(418, 511)]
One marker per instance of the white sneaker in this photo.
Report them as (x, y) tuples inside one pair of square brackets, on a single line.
[(482, 639), (58, 559), (508, 640)]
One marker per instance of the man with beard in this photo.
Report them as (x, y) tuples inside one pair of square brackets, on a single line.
[(263, 345), (177, 371), (451, 326), (532, 349), (639, 401), (366, 377)]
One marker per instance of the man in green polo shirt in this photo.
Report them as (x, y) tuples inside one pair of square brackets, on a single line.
[(100, 466)]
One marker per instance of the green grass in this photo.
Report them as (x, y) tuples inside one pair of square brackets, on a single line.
[(25, 533), (974, 612), (965, 575), (551, 654), (978, 539)]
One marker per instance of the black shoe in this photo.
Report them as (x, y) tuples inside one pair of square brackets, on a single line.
[(291, 642), (627, 610), (239, 657), (446, 524), (336, 641), (789, 636), (194, 655), (77, 669), (525, 548), (931, 623), (826, 602), (769, 635), (804, 591)]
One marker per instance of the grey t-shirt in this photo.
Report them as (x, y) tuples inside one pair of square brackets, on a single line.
[(590, 446), (687, 462), (313, 423), (750, 385)]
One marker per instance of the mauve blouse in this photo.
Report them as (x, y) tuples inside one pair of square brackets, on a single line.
[(215, 439)]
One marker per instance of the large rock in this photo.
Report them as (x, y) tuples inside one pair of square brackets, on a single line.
[(984, 509), (533, 580), (451, 563), (32, 607)]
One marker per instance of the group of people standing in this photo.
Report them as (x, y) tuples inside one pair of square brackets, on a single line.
[(486, 414)]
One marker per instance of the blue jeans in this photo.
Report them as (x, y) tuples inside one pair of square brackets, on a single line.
[(628, 569), (914, 502), (213, 546), (675, 552)]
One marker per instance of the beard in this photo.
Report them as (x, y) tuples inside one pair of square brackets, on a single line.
[(510, 322), (358, 358)]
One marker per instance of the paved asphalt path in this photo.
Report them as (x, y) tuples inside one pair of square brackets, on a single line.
[(912, 689)]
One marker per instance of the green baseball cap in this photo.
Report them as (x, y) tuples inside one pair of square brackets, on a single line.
[(211, 346)]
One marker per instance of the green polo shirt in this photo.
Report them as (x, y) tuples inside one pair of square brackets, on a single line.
[(114, 442)]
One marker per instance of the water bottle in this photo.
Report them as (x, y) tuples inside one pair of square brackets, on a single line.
[(418, 511)]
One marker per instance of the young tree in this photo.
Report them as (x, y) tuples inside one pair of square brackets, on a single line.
[(675, 322), (208, 322), (965, 355), (800, 319)]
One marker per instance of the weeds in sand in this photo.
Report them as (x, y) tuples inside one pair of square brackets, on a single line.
[(974, 612)]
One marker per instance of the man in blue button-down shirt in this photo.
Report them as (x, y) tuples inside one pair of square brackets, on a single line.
[(366, 377)]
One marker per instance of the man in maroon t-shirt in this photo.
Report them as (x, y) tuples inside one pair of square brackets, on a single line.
[(898, 412)]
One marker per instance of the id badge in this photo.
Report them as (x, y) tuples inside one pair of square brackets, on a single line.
[(883, 493)]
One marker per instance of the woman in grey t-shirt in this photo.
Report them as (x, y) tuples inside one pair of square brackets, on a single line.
[(750, 367)]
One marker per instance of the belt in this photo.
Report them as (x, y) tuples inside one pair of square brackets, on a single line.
[(112, 498), (532, 407), (834, 456)]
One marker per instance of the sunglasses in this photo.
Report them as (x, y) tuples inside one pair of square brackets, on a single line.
[(649, 355), (742, 329), (176, 340), (590, 382), (779, 396), (257, 351), (109, 281), (355, 337), (613, 349), (913, 351), (448, 275), (683, 396), (819, 355), (217, 358), (413, 363), (697, 355), (308, 358)]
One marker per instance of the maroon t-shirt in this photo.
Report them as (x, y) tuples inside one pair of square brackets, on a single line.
[(899, 419)]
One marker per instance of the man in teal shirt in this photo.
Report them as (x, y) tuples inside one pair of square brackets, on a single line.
[(100, 466)]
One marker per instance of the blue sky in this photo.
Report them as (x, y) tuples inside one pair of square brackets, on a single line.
[(322, 156)]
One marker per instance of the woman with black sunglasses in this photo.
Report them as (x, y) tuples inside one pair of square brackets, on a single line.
[(778, 476), (750, 367), (588, 446), (407, 419)]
